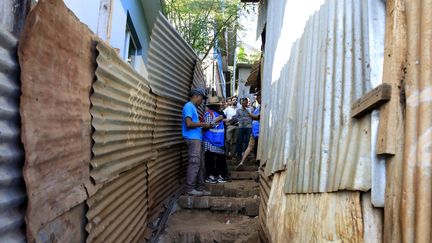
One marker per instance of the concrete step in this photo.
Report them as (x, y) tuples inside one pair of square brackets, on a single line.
[(244, 168), (249, 162), (244, 175), (191, 226), (247, 205), (236, 188)]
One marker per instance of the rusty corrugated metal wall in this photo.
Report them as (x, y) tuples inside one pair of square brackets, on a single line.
[(173, 70), (163, 178), (314, 137), (416, 206), (118, 211), (199, 81), (57, 71), (12, 189), (265, 187), (135, 168), (171, 62), (123, 111)]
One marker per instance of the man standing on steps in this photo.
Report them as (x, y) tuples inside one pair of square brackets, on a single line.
[(231, 130), (192, 133)]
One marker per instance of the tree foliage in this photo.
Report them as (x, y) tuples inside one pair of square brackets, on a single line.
[(200, 22), (244, 57)]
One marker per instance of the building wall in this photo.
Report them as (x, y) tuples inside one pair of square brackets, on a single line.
[(243, 90), (88, 12)]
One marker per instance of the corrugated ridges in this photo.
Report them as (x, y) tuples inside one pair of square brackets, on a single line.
[(265, 187), (171, 62), (168, 131), (118, 211), (163, 178), (199, 80), (123, 117), (12, 191), (313, 136)]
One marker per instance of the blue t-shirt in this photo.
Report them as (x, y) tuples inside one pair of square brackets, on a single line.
[(190, 110), (255, 123)]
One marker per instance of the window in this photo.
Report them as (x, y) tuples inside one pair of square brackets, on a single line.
[(132, 48)]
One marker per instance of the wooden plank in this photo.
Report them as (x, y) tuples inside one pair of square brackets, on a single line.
[(391, 117), (371, 100)]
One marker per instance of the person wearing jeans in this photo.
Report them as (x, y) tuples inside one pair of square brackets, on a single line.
[(192, 133), (253, 141), (231, 129), (244, 127)]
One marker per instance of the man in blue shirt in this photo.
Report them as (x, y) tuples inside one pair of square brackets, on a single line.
[(192, 133)]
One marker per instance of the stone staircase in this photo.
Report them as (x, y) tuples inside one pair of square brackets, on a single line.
[(229, 214)]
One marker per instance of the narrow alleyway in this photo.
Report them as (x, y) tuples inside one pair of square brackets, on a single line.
[(230, 214)]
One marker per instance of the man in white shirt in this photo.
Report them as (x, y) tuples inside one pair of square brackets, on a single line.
[(231, 130)]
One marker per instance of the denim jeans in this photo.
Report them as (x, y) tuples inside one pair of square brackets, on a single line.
[(243, 135), (196, 169)]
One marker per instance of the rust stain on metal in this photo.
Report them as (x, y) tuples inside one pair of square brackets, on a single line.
[(317, 217), (416, 196), (56, 73), (118, 211), (123, 112)]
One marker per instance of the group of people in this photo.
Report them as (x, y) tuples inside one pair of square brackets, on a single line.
[(227, 129)]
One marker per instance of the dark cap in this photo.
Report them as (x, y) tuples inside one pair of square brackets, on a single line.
[(199, 91)]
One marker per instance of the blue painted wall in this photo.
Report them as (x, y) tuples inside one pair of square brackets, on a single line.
[(88, 13)]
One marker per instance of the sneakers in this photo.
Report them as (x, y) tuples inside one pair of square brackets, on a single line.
[(194, 192), (211, 180), (220, 179)]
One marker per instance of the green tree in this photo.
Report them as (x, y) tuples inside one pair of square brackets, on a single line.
[(250, 58), (201, 22)]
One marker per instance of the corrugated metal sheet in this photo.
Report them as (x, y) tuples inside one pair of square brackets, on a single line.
[(57, 71), (265, 187), (12, 190), (313, 134), (262, 18), (416, 206), (118, 211), (163, 178), (168, 131), (199, 81), (123, 113), (184, 164), (171, 62), (68, 227), (376, 19), (314, 217)]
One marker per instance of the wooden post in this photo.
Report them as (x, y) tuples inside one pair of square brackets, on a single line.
[(394, 71)]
